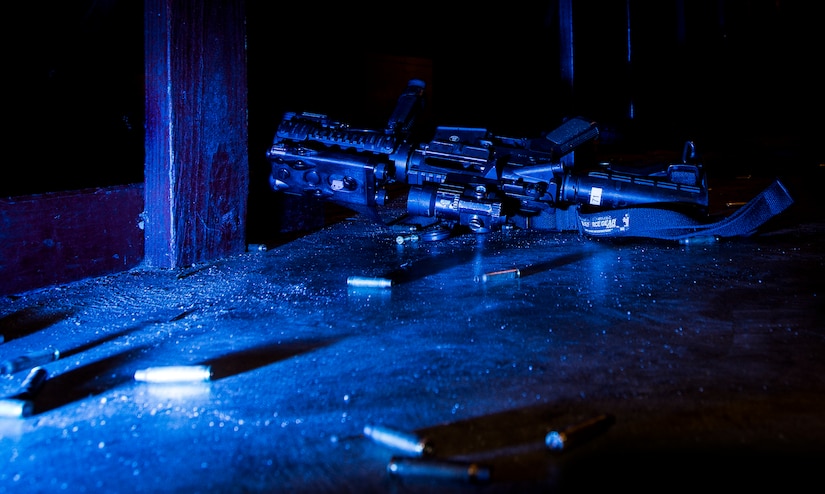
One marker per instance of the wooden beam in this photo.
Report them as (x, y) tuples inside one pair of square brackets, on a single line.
[(196, 171), (54, 238)]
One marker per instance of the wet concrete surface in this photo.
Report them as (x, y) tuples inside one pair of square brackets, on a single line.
[(707, 358)]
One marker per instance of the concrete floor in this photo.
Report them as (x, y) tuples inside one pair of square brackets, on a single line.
[(709, 360)]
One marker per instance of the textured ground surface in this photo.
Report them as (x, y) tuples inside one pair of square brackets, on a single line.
[(710, 359)]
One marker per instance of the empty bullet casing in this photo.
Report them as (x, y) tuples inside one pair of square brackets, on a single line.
[(576, 434), (13, 408), (404, 239), (32, 384), (438, 469), (699, 240), (174, 374), (406, 442), (29, 360), (367, 282), (20, 405), (504, 274)]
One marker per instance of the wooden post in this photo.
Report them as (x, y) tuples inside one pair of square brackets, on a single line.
[(196, 170)]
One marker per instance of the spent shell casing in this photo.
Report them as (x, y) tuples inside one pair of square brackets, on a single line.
[(29, 360), (402, 441), (699, 240), (32, 384), (405, 239), (400, 227), (256, 248), (13, 408), (438, 469), (504, 274), (174, 374), (564, 439), (21, 404), (368, 282)]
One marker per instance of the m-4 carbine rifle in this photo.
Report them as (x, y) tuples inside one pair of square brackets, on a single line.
[(472, 178)]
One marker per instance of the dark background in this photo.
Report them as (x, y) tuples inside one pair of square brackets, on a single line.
[(738, 77), (74, 83)]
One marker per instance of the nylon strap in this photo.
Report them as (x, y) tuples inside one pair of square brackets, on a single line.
[(673, 225)]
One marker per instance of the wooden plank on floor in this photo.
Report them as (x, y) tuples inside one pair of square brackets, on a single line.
[(59, 237)]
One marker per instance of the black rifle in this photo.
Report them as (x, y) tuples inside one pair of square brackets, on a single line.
[(469, 176)]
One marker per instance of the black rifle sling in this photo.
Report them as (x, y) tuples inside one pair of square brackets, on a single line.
[(672, 225)]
